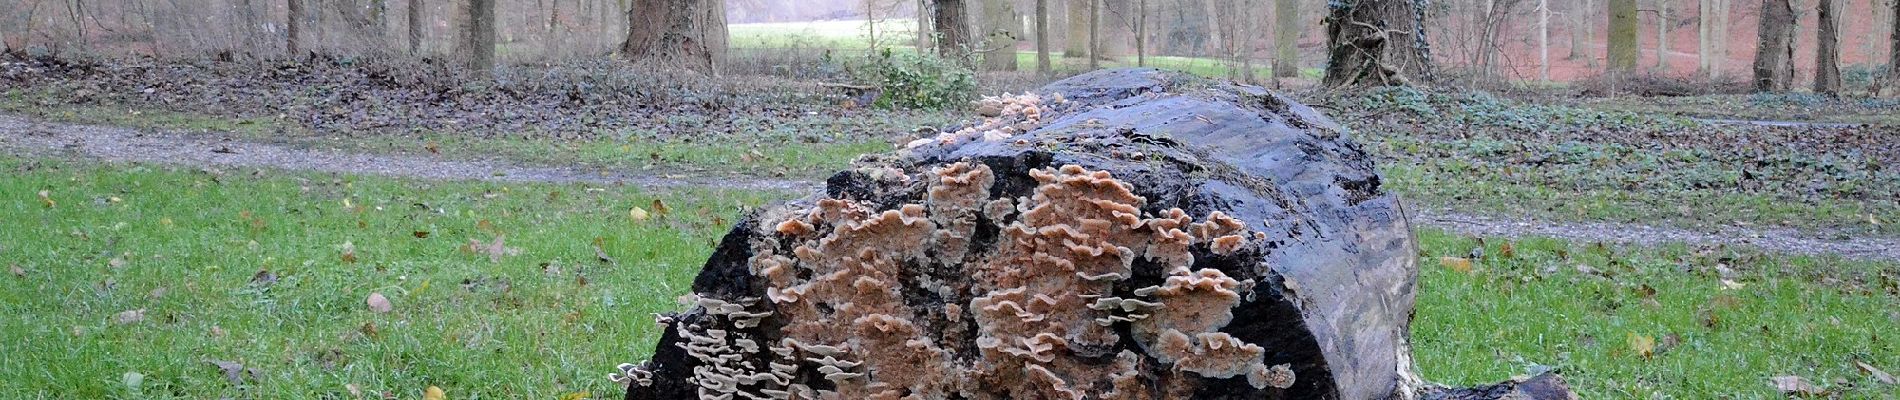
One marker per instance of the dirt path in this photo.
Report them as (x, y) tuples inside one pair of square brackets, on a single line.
[(25, 136)]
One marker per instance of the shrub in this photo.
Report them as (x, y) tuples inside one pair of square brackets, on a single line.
[(919, 81)]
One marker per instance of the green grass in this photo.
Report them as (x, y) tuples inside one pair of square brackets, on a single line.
[(1808, 317), (184, 245)]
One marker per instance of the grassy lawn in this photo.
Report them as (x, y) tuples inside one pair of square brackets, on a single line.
[(544, 317)]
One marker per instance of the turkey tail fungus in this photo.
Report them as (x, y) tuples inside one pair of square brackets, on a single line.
[(1124, 234)]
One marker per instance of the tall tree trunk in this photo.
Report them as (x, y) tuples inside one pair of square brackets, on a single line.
[(478, 37), (1543, 40), (1722, 19), (1893, 46), (952, 21), (1774, 57), (1042, 37), (1286, 38), (1077, 43), (1580, 27), (1002, 31), (1662, 35), (1705, 37), (1376, 42), (1095, 34), (1622, 43), (416, 25), (1827, 52), (1141, 33), (923, 25), (293, 28), (688, 34)]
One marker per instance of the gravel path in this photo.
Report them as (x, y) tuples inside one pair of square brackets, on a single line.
[(25, 136)]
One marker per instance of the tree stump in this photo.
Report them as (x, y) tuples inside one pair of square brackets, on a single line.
[(1126, 234)]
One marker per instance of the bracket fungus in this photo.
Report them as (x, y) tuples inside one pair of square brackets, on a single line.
[(1139, 235)]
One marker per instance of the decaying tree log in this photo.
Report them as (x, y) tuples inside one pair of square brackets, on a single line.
[(1127, 234)]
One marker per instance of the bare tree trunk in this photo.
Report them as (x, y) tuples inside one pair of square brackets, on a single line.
[(1077, 43), (1827, 53), (1543, 40), (1141, 33), (478, 37), (1893, 46), (1722, 17), (1002, 31), (952, 21), (1705, 37), (1774, 57), (1376, 42), (1286, 38), (293, 28), (923, 25), (1095, 34), (689, 34), (1622, 50), (1662, 35), (1580, 27), (1042, 37), (415, 26)]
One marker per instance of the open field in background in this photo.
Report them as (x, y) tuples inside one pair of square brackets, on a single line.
[(128, 287)]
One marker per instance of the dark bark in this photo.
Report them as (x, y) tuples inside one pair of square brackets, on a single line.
[(1827, 55), (1774, 56), (952, 20), (293, 28), (1893, 46), (892, 287), (478, 37), (1376, 42), (416, 25), (688, 34)]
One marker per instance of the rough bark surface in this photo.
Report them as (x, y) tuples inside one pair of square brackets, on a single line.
[(1153, 236), (952, 20), (1076, 43), (1376, 42), (1622, 45), (1002, 31), (1286, 38), (293, 28), (415, 26), (478, 36), (1827, 54), (688, 34), (1774, 57)]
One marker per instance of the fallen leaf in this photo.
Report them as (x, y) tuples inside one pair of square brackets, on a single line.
[(129, 316), (15, 269), (1507, 250), (132, 379), (233, 372), (263, 277), (1791, 384), (638, 214), (46, 197), (433, 393), (659, 207), (600, 251), (349, 253), (1458, 264), (421, 234), (494, 250), (355, 391), (116, 262), (379, 304), (1732, 285), (432, 148), (217, 332), (1876, 373), (577, 396), (1643, 345)]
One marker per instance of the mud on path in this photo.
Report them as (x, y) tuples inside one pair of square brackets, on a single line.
[(28, 137)]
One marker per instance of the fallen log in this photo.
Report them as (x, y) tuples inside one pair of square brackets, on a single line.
[(1124, 234)]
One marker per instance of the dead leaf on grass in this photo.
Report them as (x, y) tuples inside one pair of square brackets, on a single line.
[(129, 316), (349, 253), (600, 251), (1790, 384), (1642, 345), (263, 277), (1876, 373), (46, 198), (233, 372), (434, 393), (637, 214), (494, 250), (16, 270), (1458, 264)]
